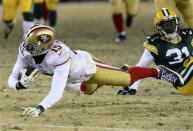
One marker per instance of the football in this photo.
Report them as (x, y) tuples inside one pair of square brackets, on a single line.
[(28, 72)]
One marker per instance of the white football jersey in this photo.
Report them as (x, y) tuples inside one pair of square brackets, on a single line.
[(65, 65)]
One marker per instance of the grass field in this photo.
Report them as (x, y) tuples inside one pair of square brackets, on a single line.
[(88, 26)]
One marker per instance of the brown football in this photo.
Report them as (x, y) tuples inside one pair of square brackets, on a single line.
[(28, 72)]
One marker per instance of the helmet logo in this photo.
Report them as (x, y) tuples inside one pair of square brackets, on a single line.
[(44, 38)]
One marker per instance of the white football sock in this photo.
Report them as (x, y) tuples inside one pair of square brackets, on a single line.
[(27, 25)]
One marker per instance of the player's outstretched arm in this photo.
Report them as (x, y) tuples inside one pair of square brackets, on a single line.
[(13, 78), (59, 81), (144, 61)]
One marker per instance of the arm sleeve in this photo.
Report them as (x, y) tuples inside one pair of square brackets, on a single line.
[(13, 78), (144, 61), (58, 85)]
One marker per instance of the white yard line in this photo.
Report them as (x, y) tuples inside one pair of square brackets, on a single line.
[(68, 127)]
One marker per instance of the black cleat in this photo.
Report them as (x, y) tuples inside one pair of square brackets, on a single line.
[(132, 91), (170, 76), (120, 38), (7, 32)]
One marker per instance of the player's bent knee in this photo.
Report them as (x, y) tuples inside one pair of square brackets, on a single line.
[(51, 6), (184, 3), (89, 89)]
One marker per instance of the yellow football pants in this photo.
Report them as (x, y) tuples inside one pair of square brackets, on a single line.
[(131, 6), (185, 7), (106, 75), (50, 4), (187, 89), (10, 8)]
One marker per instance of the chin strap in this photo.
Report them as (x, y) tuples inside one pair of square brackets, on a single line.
[(26, 54), (171, 36)]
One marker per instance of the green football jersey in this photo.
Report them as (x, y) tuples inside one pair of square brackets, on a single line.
[(169, 54)]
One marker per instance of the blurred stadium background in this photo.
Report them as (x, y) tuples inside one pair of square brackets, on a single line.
[(81, 0)]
